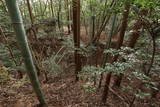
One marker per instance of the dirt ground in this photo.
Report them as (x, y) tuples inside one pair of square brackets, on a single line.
[(63, 91)]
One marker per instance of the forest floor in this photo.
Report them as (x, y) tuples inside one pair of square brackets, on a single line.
[(63, 91)]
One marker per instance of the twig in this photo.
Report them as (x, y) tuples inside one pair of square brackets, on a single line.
[(120, 97)]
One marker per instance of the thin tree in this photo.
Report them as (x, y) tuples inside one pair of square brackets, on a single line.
[(105, 20), (41, 9), (108, 45), (22, 40), (119, 44), (68, 15), (131, 43), (32, 19), (76, 33), (52, 11)]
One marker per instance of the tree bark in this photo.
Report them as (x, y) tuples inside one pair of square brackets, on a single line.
[(76, 33), (120, 41), (22, 40), (121, 37), (32, 19), (131, 43)]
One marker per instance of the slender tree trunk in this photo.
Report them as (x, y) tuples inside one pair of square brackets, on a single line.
[(22, 40), (120, 41), (131, 43), (68, 16), (93, 26), (105, 19), (30, 11), (41, 10), (108, 78), (108, 45), (32, 19), (76, 33), (124, 26), (121, 37), (45, 7), (52, 11), (153, 53), (59, 15)]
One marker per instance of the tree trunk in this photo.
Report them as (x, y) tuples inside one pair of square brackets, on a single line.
[(131, 43), (108, 45), (32, 19), (52, 11), (120, 41), (76, 33), (121, 36), (105, 20), (22, 40), (68, 16)]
